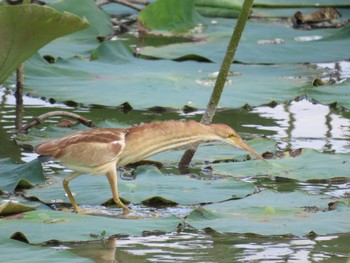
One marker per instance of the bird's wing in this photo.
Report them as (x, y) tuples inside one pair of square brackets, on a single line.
[(87, 148)]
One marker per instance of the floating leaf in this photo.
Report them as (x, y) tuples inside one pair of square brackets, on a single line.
[(16, 251), (310, 165), (37, 227), (115, 77), (19, 175), (273, 213), (299, 3), (9, 208), (80, 43), (219, 8), (250, 51), (176, 16), (149, 182)]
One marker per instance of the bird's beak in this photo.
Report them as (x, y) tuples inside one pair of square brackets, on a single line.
[(241, 144)]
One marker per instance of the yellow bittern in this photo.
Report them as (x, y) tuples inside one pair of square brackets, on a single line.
[(102, 150)]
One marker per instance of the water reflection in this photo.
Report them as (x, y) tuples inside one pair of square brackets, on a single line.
[(108, 117), (297, 124), (202, 247), (303, 124), (102, 251)]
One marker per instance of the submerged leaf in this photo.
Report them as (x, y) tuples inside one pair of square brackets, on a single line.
[(201, 213)]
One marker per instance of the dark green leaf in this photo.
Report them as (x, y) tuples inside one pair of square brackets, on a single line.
[(176, 16)]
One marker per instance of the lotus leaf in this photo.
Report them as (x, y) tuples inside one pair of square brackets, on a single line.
[(299, 3), (115, 77), (274, 213), (43, 225), (10, 207), (149, 182), (310, 165), (261, 43), (219, 8), (80, 43), (23, 175), (38, 25), (16, 251), (177, 16)]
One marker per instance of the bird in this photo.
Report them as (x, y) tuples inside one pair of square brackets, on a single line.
[(100, 151)]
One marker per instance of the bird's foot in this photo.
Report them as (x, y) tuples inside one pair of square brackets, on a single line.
[(126, 210), (77, 210), (83, 211)]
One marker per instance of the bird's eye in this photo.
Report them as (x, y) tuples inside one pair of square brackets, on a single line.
[(231, 135)]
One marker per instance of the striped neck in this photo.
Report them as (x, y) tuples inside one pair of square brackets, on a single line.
[(150, 139)]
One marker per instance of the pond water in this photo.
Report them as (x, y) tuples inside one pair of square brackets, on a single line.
[(202, 247), (296, 124)]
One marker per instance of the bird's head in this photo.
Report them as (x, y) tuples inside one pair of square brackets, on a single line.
[(230, 136)]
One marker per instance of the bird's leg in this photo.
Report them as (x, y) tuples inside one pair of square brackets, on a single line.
[(69, 193), (112, 179)]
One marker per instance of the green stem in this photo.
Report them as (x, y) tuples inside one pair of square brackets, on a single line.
[(221, 79), (19, 96)]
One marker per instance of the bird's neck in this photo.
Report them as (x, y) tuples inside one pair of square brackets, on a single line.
[(147, 140)]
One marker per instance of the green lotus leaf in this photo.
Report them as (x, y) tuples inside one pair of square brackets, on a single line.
[(261, 43), (310, 165), (219, 8), (80, 43), (43, 225), (19, 175), (274, 213), (177, 16), (37, 26), (114, 76), (10, 207), (16, 251), (299, 3), (149, 183)]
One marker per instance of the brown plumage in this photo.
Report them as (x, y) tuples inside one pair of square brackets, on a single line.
[(101, 150)]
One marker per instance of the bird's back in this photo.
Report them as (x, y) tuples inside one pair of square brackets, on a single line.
[(90, 148)]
